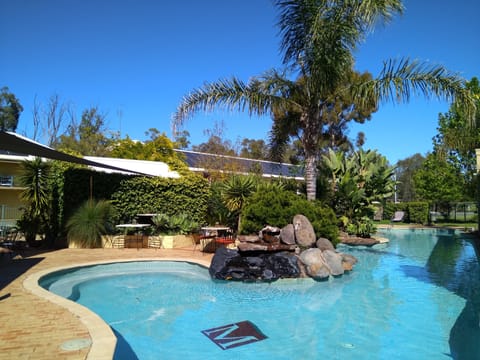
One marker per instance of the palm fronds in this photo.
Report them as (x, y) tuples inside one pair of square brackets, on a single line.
[(401, 79)]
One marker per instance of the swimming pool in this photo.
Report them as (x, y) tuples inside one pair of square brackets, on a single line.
[(416, 298)]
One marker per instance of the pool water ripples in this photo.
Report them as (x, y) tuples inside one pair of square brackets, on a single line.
[(399, 302)]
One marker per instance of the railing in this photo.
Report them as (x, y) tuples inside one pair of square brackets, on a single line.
[(9, 215)]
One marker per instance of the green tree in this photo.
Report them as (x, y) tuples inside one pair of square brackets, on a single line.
[(456, 140), (319, 38), (181, 140), (158, 148), (254, 149), (215, 145), (438, 182), (89, 137), (10, 110), (404, 171)]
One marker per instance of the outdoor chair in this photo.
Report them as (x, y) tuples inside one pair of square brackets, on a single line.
[(225, 239), (398, 216)]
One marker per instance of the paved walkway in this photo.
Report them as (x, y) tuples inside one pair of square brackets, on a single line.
[(32, 327)]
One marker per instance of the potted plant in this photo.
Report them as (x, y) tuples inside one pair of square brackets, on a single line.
[(175, 230)]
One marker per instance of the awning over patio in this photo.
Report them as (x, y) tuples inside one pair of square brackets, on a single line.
[(18, 144)]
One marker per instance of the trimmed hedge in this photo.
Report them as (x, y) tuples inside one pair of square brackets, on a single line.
[(418, 212), (186, 195), (415, 211), (269, 207)]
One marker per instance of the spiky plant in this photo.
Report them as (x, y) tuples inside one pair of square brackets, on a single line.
[(91, 220), (235, 192)]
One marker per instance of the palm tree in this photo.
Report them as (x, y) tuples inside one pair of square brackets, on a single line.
[(235, 191), (35, 178), (318, 38)]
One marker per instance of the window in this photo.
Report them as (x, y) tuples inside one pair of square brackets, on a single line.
[(6, 180)]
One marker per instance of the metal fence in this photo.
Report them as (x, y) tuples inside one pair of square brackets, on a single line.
[(455, 212)]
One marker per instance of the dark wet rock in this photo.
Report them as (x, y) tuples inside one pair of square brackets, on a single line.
[(231, 265), (324, 244), (304, 233), (219, 263), (287, 234)]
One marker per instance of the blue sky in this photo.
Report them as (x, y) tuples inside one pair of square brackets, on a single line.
[(135, 59)]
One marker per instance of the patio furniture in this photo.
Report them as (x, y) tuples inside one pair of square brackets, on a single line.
[(398, 216), (215, 236)]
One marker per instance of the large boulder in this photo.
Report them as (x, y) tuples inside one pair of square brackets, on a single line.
[(287, 234), (315, 265), (222, 259), (334, 262), (324, 244), (248, 238), (304, 233), (348, 261), (270, 234)]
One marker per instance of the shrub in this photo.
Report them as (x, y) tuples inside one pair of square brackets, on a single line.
[(363, 227), (91, 220), (277, 208), (176, 224), (418, 212)]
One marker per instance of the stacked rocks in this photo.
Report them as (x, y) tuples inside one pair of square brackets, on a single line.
[(274, 253)]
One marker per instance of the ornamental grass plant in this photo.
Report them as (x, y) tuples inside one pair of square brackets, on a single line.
[(91, 220)]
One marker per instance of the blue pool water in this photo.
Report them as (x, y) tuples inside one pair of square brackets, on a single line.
[(418, 297)]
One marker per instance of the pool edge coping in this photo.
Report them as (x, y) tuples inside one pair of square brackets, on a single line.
[(103, 339)]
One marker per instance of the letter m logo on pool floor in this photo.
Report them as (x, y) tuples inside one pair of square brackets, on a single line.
[(233, 335)]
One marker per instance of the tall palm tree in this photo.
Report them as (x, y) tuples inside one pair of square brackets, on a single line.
[(318, 39), (235, 192), (35, 178)]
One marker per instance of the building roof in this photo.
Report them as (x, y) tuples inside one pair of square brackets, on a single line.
[(152, 168), (198, 161)]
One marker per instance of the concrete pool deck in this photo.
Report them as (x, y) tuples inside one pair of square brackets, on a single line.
[(33, 322)]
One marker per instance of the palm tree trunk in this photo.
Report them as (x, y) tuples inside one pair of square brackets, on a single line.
[(311, 176)]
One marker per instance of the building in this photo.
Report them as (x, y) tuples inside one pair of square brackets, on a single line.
[(10, 189), (205, 163)]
